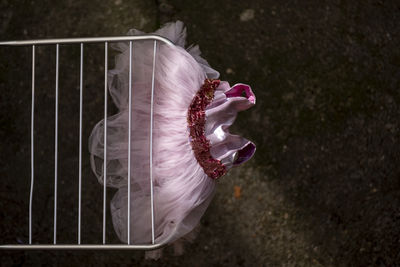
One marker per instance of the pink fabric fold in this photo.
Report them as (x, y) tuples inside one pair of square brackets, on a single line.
[(220, 114)]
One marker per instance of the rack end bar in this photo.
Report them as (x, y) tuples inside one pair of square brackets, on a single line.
[(88, 40)]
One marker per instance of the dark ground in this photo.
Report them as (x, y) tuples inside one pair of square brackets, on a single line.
[(324, 186)]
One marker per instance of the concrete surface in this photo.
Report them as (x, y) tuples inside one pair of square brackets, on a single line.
[(324, 186)]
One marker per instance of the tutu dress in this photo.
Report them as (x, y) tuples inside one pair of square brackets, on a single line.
[(192, 146)]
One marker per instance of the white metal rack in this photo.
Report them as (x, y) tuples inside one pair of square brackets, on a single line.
[(81, 42)]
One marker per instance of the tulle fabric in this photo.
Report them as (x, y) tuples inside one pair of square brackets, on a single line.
[(182, 191)]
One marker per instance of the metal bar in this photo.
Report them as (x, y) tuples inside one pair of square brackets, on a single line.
[(105, 141), (88, 40), (129, 142), (80, 144), (32, 144), (82, 247), (56, 149), (151, 143)]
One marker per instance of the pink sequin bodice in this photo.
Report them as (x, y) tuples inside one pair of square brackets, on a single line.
[(213, 109)]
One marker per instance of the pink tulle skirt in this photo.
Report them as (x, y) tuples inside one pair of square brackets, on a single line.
[(182, 189)]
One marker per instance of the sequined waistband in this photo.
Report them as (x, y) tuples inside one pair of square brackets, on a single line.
[(197, 120)]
